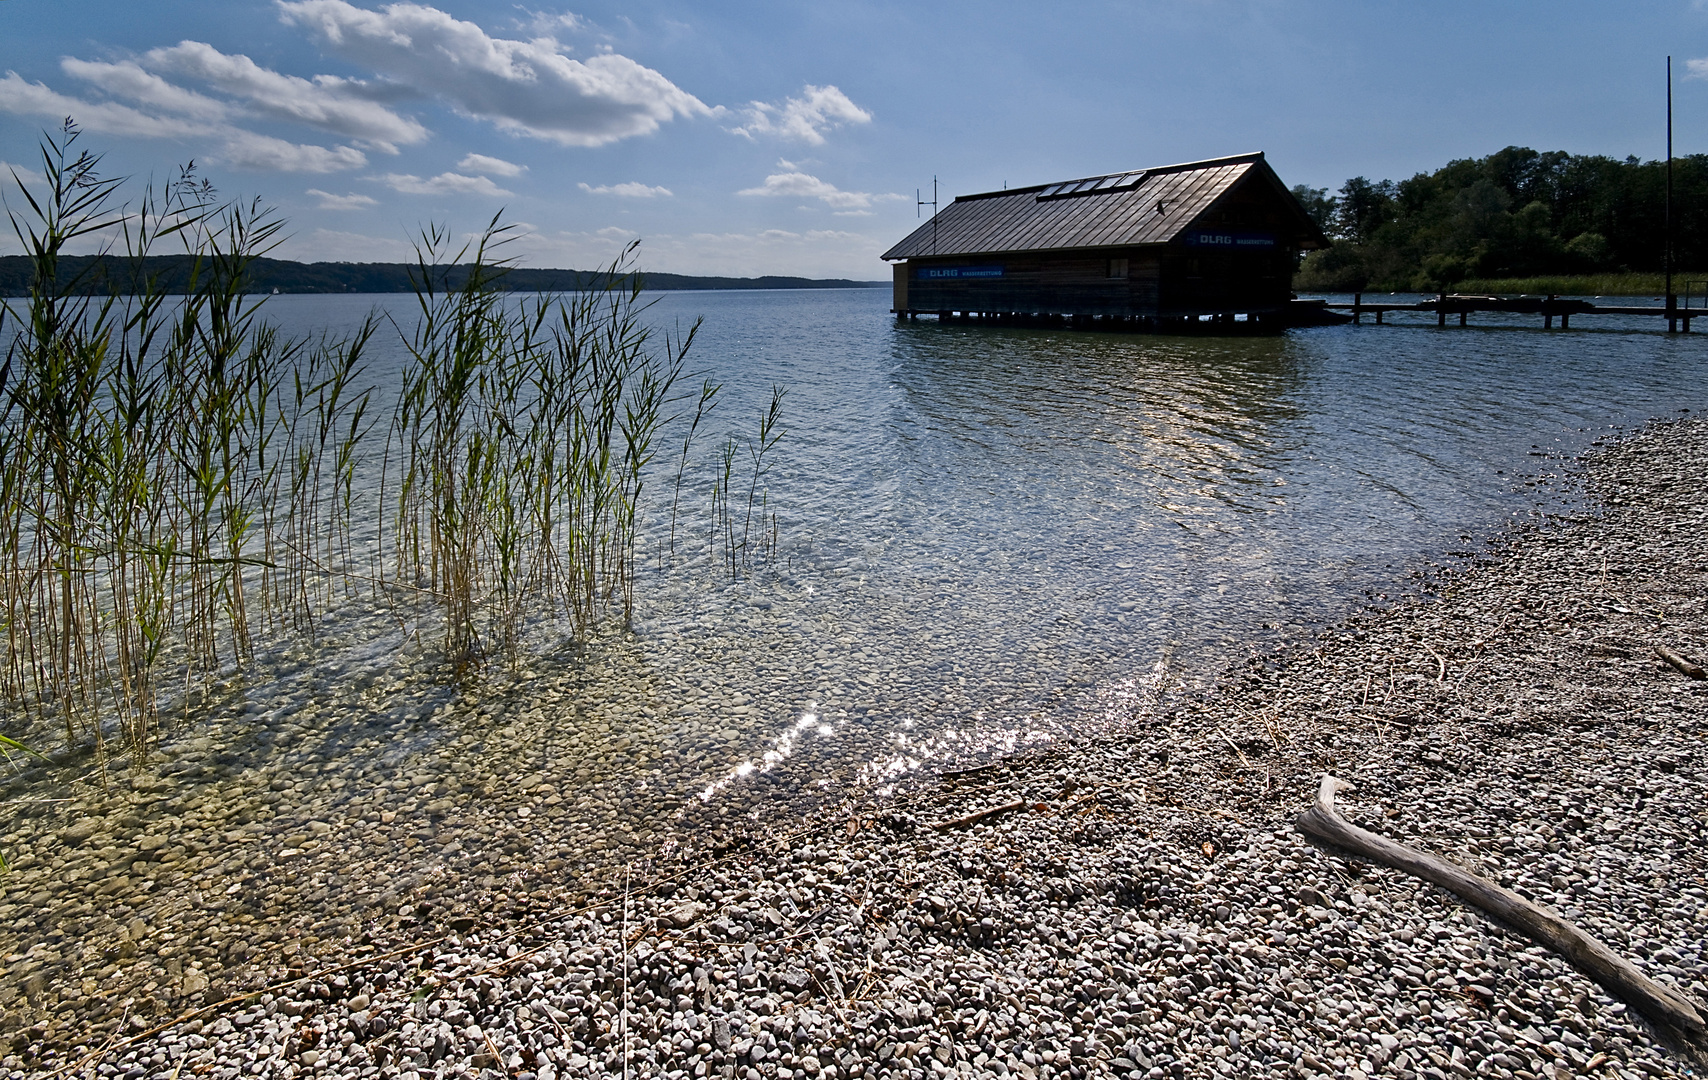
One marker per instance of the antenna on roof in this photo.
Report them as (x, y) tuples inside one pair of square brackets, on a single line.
[(918, 209)]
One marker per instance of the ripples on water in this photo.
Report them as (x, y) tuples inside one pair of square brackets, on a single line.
[(994, 536), (989, 538)]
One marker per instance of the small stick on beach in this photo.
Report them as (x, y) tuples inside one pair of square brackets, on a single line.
[(979, 815)]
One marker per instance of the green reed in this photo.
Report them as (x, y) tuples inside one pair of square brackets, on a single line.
[(146, 439), (739, 547), (520, 446), (180, 481)]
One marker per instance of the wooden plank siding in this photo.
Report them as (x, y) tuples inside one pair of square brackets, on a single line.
[(1046, 250), (1050, 284)]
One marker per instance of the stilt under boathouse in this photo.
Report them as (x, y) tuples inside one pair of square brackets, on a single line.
[(1174, 248)]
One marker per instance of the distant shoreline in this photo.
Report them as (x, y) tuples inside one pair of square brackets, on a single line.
[(103, 275)]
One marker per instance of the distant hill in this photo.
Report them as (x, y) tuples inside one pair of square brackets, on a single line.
[(105, 274)]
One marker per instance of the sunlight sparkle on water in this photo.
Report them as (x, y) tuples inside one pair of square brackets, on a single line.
[(781, 748)]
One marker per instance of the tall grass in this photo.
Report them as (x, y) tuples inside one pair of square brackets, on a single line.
[(521, 443), (157, 456), (180, 480)]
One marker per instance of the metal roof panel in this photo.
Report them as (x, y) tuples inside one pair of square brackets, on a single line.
[(1120, 211)]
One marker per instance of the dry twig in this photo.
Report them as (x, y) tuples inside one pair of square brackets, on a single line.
[(979, 815), (1666, 1008), (1680, 662)]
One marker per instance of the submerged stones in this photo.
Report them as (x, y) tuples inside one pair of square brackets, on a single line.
[(568, 904)]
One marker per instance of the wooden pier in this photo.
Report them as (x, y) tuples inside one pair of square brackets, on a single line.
[(1550, 307)]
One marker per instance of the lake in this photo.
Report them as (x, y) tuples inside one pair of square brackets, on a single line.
[(992, 537), (985, 539)]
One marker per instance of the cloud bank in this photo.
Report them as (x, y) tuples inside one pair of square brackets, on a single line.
[(339, 106), (194, 92), (172, 113), (528, 88)]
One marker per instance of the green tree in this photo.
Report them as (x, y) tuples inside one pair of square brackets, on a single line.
[(1318, 203), (1517, 212)]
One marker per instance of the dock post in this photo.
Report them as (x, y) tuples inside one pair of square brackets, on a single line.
[(1462, 318), (1357, 312), (1548, 312), (1378, 316), (1672, 313), (1441, 309), (1566, 321)]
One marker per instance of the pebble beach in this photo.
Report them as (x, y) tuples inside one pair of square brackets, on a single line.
[(1137, 904)]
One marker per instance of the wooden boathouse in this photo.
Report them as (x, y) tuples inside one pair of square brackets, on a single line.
[(1208, 241)]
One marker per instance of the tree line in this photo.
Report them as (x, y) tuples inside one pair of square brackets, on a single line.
[(1513, 214), (100, 275)]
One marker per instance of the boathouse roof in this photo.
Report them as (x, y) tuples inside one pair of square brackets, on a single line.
[(1124, 209)]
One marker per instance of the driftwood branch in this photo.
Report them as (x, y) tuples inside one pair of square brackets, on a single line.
[(1679, 662), (1668, 1009), (979, 815)]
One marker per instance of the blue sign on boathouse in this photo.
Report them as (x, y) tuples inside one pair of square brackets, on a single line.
[(940, 273), (1221, 238)]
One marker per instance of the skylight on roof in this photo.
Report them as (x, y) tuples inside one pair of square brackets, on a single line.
[(1095, 184)]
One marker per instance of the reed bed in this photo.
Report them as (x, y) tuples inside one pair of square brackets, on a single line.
[(520, 448), (179, 480)]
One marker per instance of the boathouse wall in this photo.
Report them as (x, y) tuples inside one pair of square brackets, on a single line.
[(1211, 238)]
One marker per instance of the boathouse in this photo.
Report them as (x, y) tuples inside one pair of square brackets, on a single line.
[(1210, 241)]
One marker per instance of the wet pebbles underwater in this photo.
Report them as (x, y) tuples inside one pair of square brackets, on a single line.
[(1142, 906)]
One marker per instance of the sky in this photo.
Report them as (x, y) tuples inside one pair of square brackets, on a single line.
[(773, 138)]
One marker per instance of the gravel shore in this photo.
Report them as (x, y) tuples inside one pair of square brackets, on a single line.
[(1136, 905)]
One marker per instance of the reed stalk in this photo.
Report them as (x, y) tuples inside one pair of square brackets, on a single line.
[(181, 482)]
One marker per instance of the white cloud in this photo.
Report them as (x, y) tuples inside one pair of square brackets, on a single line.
[(341, 106), (447, 183), (23, 173), (237, 146), (248, 150), (528, 87), (329, 201), (631, 190), (102, 117), (818, 109), (1696, 69), (127, 79), (800, 185), (490, 165), (541, 24)]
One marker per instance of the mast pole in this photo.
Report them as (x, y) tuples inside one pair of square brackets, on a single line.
[(1671, 299)]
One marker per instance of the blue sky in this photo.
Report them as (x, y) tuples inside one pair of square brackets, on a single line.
[(790, 138)]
